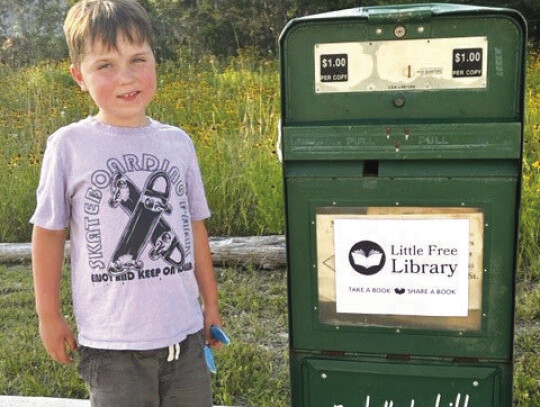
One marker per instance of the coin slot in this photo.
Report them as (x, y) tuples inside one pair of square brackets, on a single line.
[(371, 168)]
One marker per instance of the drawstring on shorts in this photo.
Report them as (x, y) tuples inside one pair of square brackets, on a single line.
[(174, 352)]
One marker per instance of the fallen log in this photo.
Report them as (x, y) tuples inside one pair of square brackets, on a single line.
[(266, 252)]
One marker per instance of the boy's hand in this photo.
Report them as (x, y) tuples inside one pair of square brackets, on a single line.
[(58, 338), (211, 317)]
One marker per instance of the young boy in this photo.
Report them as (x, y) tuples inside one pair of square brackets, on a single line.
[(130, 190)]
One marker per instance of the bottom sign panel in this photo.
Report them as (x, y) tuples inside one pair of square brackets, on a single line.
[(415, 267), (333, 383)]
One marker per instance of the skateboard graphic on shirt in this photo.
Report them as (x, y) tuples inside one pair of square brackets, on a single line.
[(146, 223)]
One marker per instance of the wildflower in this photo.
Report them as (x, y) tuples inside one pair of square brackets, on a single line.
[(536, 164), (8, 43)]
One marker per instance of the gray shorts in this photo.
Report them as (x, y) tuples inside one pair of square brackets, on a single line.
[(147, 378)]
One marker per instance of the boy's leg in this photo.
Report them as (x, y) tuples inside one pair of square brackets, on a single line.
[(121, 378), (186, 381)]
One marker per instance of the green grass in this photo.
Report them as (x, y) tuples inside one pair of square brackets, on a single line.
[(25, 368), (252, 371), (527, 366)]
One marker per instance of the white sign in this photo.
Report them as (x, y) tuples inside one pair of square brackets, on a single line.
[(402, 266), (421, 64)]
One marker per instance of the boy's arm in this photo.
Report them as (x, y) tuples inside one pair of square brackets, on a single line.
[(206, 279), (47, 259)]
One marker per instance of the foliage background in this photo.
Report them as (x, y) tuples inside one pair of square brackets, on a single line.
[(30, 30)]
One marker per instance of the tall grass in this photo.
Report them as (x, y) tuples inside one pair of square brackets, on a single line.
[(33, 103), (230, 109), (530, 209)]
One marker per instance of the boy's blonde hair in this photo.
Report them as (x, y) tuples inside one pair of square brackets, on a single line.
[(89, 21)]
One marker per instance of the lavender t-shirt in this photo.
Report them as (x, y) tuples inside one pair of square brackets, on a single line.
[(129, 196)]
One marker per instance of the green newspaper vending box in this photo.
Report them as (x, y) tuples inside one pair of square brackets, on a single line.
[(402, 138)]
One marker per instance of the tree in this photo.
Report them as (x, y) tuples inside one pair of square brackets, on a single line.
[(30, 30), (222, 26)]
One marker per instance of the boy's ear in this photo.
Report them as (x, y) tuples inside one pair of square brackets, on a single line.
[(77, 76)]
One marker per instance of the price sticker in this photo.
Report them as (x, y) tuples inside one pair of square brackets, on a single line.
[(467, 62), (334, 68), (408, 65)]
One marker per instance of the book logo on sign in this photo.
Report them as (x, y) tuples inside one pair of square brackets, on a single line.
[(367, 257)]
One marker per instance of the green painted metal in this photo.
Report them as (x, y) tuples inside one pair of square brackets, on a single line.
[(445, 148), (495, 196), (377, 382), (502, 101), (403, 142)]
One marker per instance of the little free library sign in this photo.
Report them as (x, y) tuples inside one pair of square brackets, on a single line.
[(406, 265)]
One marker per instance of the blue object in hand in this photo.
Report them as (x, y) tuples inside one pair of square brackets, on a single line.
[(209, 359), (217, 333)]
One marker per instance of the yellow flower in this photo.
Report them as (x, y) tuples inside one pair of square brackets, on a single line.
[(536, 164)]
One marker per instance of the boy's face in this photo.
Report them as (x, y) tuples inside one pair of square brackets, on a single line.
[(121, 82)]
